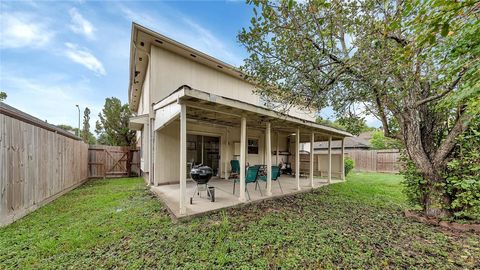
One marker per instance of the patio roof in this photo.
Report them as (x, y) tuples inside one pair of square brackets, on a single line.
[(210, 108)]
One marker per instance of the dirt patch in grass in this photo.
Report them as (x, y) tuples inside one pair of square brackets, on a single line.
[(453, 226), (357, 224)]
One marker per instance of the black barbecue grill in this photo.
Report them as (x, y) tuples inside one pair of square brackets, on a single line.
[(201, 175)]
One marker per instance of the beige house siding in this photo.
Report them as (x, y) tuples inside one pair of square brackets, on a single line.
[(167, 141), (145, 142), (143, 136), (144, 104), (167, 157), (170, 71), (165, 72)]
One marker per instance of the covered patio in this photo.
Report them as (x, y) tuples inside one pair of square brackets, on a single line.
[(254, 135), (224, 196)]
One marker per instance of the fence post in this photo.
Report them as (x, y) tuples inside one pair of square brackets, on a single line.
[(129, 162), (104, 163)]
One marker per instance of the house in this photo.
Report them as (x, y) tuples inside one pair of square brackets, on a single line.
[(360, 142), (191, 108)]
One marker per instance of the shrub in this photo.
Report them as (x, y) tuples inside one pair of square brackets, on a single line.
[(413, 182), (379, 141), (349, 165), (462, 177), (463, 174)]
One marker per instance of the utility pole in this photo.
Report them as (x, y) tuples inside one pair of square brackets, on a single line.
[(78, 133)]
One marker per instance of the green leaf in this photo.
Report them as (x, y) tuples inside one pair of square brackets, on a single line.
[(445, 29)]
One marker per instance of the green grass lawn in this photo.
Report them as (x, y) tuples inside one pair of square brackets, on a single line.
[(117, 223)]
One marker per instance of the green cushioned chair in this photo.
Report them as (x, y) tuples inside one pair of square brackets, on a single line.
[(234, 173), (275, 176), (250, 177)]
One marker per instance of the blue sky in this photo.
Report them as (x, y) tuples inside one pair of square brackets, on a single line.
[(54, 55)]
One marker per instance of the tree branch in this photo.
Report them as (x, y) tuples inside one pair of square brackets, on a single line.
[(399, 40), (446, 147), (443, 93)]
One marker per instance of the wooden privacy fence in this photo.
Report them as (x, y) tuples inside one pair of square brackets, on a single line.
[(376, 160), (38, 163), (113, 161)]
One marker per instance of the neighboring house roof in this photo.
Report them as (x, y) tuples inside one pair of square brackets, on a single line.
[(367, 135), (350, 143)]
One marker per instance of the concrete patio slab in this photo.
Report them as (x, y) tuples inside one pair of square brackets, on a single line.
[(224, 196)]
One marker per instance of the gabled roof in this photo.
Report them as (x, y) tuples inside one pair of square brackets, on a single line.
[(141, 41)]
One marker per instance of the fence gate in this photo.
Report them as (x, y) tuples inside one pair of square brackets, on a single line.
[(113, 161)]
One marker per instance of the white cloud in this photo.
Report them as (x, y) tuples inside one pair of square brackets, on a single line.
[(80, 25), (183, 29), (84, 58), (205, 39), (58, 97), (23, 30)]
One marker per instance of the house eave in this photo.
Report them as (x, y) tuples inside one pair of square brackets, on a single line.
[(191, 96), (137, 122)]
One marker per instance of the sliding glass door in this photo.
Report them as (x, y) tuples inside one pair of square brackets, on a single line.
[(203, 150)]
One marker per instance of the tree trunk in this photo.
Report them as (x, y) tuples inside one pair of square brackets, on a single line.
[(419, 147), (437, 201)]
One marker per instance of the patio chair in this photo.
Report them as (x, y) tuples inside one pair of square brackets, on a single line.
[(250, 177), (275, 177), (234, 173)]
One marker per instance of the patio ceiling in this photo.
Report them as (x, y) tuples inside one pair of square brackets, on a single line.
[(254, 121), (211, 109)]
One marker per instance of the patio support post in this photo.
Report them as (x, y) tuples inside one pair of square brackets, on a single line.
[(297, 158), (243, 147), (227, 153), (183, 158), (343, 159), (312, 140), (329, 159), (268, 149), (276, 150)]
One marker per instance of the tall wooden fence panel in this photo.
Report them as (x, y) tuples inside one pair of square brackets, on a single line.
[(113, 161), (376, 160), (38, 163)]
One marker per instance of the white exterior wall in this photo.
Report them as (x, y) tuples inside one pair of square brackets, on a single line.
[(167, 154), (170, 71), (322, 165), (143, 135), (167, 141), (144, 103)]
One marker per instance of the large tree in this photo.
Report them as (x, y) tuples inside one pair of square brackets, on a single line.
[(90, 138), (86, 125), (112, 127), (3, 96), (412, 64)]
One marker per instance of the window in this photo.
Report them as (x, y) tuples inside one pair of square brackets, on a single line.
[(253, 146)]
